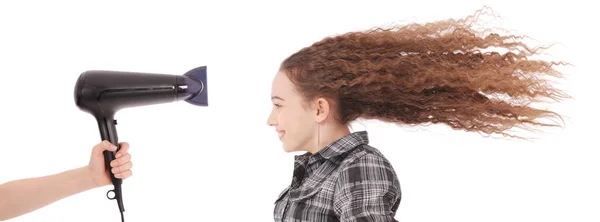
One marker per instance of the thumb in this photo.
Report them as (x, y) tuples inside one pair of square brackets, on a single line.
[(102, 146)]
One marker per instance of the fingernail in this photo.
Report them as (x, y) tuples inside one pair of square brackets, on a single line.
[(118, 155), (115, 170), (117, 175)]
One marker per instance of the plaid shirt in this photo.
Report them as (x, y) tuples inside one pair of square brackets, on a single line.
[(346, 181)]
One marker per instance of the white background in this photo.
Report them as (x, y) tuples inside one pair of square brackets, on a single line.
[(187, 170)]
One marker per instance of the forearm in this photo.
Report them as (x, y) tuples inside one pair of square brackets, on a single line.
[(26, 195)]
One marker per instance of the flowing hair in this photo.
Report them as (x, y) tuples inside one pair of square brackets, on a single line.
[(438, 72)]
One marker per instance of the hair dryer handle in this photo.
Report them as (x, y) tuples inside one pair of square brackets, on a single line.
[(109, 156), (108, 132)]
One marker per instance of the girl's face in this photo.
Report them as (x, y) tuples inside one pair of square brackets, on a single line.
[(295, 124)]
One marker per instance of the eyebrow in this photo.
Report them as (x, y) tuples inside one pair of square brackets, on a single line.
[(276, 97)]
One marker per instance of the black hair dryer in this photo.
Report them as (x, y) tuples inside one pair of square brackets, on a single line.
[(103, 93)]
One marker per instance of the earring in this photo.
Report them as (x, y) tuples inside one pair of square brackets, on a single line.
[(318, 136)]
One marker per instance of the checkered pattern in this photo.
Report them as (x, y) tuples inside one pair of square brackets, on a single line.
[(346, 181)]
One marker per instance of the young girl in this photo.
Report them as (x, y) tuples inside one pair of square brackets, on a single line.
[(439, 72)]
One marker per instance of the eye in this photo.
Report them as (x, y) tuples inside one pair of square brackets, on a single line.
[(277, 105)]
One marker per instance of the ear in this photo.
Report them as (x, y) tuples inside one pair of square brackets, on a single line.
[(323, 109)]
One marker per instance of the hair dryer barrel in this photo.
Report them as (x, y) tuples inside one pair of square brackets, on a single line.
[(110, 91)]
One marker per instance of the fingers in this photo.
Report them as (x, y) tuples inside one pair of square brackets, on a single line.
[(123, 175), (121, 166), (102, 146), (121, 160), (125, 167), (123, 171), (124, 148)]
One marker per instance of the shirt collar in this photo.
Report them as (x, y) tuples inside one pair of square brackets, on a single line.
[(308, 163), (340, 146), (344, 144)]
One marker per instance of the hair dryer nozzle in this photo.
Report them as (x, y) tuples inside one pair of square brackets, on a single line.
[(197, 86)]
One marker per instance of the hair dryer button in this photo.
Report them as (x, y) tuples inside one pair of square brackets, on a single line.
[(115, 121)]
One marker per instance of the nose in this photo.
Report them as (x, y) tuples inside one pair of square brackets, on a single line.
[(271, 120)]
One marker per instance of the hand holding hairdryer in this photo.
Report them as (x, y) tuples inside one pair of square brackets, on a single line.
[(121, 167), (103, 93)]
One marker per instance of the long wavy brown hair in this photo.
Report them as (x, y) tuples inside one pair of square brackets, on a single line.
[(437, 72)]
